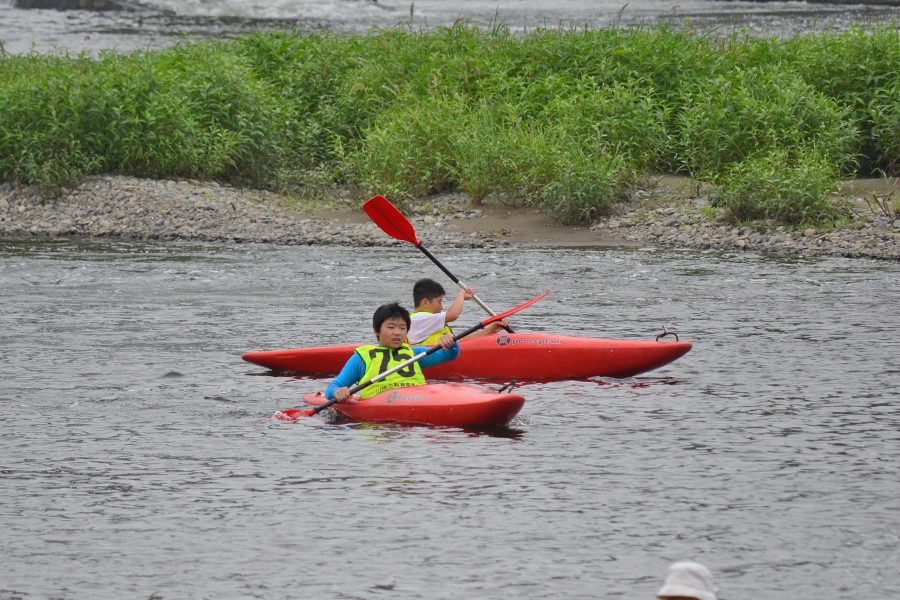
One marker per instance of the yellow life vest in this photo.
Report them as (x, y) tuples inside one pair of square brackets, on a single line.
[(378, 359), (432, 339)]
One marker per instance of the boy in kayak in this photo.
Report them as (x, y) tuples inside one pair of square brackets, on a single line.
[(429, 321), (391, 324)]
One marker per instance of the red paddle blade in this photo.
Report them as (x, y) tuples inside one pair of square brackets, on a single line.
[(512, 311), (390, 220), (292, 415)]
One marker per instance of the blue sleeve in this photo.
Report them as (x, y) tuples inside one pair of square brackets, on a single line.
[(349, 375), (441, 356)]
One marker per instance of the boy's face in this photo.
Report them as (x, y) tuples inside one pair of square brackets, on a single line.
[(433, 306), (393, 333)]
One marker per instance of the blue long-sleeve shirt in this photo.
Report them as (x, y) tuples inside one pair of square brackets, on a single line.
[(354, 370)]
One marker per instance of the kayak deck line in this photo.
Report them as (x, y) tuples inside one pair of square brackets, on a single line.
[(523, 356)]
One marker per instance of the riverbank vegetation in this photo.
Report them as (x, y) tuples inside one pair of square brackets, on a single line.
[(567, 120)]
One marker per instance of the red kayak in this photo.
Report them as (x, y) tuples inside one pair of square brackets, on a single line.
[(447, 404), (521, 356)]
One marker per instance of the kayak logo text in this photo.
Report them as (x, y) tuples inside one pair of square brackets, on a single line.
[(504, 340), (394, 396)]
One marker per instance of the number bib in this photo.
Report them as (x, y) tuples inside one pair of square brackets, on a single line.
[(378, 359)]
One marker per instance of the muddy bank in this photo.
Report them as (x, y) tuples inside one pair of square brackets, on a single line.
[(676, 214)]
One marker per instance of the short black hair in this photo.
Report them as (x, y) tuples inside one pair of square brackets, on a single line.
[(427, 289), (389, 311)]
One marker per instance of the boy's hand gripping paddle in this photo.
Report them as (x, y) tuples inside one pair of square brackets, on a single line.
[(295, 413), (392, 222)]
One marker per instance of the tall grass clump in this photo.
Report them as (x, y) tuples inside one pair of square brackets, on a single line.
[(314, 78), (191, 111), (730, 118), (884, 118), (572, 157), (857, 69), (566, 180), (776, 184)]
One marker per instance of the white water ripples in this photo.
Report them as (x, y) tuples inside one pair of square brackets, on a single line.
[(164, 22)]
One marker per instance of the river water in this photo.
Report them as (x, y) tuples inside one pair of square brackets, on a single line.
[(134, 462), (164, 21)]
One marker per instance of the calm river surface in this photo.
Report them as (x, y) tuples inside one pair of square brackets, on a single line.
[(164, 20), (134, 463)]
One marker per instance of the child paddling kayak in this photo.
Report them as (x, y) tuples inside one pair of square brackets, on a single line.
[(391, 324), (429, 321), (444, 403)]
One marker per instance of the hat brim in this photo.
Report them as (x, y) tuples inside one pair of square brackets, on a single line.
[(676, 589)]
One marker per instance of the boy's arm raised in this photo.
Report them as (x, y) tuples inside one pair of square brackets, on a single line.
[(456, 308), (392, 222)]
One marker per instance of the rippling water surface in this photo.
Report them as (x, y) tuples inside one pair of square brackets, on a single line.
[(133, 460), (165, 20)]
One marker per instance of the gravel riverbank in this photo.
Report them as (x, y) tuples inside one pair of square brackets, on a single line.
[(693, 224), (120, 206)]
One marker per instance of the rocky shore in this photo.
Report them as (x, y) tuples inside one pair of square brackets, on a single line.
[(128, 207), (653, 219), (119, 206)]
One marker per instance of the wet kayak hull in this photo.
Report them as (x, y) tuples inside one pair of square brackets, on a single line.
[(444, 404), (521, 356)]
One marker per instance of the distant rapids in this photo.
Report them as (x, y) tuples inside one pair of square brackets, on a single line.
[(162, 22)]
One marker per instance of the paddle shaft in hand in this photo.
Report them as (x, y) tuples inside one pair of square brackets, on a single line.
[(456, 280), (431, 350), (393, 223)]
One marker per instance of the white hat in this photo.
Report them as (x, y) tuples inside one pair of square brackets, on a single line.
[(690, 580)]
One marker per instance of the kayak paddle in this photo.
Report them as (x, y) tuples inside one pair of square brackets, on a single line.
[(293, 414), (392, 222)]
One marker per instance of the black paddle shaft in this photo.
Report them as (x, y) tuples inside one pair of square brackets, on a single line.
[(453, 277), (416, 358), (425, 251)]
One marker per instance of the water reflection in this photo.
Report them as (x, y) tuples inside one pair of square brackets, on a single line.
[(387, 432)]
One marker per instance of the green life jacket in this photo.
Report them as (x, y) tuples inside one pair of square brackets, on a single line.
[(378, 359), (432, 339)]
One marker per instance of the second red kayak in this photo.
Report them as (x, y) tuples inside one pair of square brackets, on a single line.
[(445, 404), (521, 356)]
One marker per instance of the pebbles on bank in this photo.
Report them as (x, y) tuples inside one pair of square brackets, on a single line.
[(693, 224), (122, 206)]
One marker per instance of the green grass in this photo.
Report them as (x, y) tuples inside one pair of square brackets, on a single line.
[(566, 120), (781, 185), (187, 112)]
